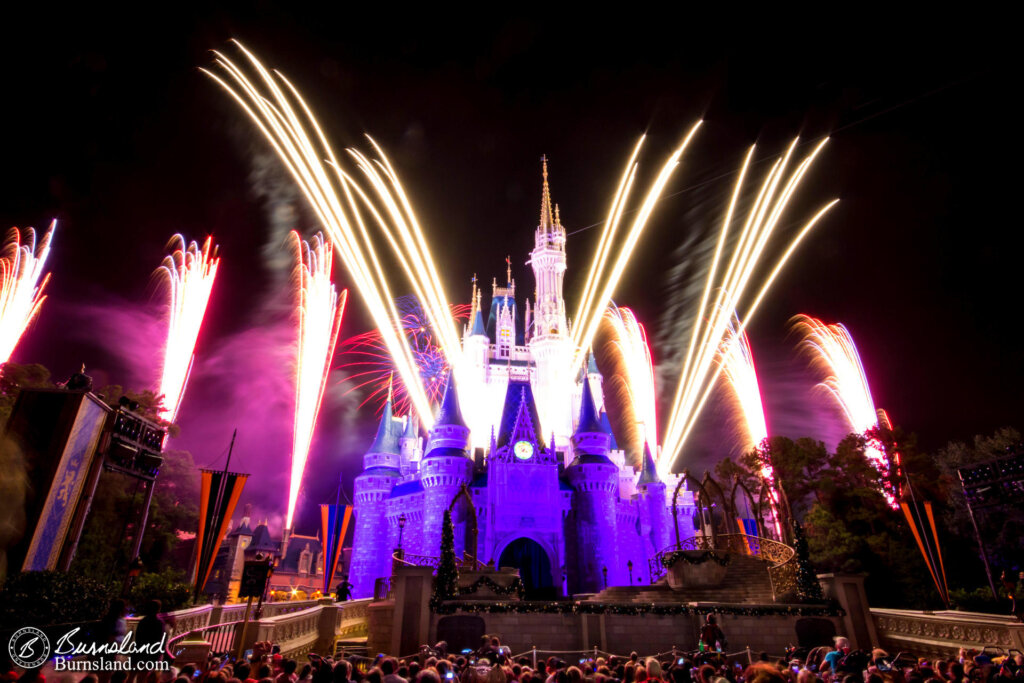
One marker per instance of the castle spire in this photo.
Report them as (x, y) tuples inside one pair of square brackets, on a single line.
[(589, 422), (386, 440), (648, 470), (450, 413), (545, 201)]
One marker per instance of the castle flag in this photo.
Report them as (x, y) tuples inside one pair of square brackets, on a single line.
[(335, 520), (219, 494)]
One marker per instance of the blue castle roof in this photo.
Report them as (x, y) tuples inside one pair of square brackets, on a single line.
[(518, 394), (478, 325), (606, 427), (450, 413), (406, 488), (389, 433), (648, 470), (589, 422)]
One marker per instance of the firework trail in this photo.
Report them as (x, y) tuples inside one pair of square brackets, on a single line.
[(345, 206), (21, 284), (833, 352), (740, 376), (601, 280), (728, 284), (188, 272), (320, 311), (369, 355), (627, 355)]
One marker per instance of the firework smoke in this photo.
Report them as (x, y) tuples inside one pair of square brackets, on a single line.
[(21, 284), (601, 282), (189, 273), (320, 311), (345, 207), (729, 283)]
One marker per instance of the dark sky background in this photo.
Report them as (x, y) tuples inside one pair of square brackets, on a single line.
[(109, 127)]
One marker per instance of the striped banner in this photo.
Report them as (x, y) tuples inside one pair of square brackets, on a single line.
[(335, 520), (219, 494)]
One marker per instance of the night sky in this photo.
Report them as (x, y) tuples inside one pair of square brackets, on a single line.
[(109, 127)]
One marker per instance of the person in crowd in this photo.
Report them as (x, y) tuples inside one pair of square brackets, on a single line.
[(711, 635), (343, 592)]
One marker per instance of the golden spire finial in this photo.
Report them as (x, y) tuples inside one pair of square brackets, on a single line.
[(558, 220), (508, 269), (545, 201)]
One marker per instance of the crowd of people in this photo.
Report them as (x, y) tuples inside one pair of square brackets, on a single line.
[(494, 663)]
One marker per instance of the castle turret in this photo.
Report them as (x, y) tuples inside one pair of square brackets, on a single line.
[(594, 480), (473, 372), (371, 555), (411, 446), (550, 344), (654, 513), (446, 467)]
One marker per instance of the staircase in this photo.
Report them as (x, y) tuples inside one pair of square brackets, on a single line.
[(746, 582)]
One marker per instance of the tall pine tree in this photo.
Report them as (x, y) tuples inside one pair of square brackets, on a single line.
[(446, 583), (807, 587)]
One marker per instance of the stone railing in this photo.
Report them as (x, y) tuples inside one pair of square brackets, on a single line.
[(352, 619), (941, 634), (296, 633), (299, 627)]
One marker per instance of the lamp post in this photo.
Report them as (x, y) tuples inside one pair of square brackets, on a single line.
[(401, 529), (629, 566), (604, 571), (134, 569)]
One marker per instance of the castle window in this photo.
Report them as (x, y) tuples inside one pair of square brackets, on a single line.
[(305, 559)]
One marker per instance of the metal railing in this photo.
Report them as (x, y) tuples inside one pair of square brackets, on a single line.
[(412, 560), (780, 557)]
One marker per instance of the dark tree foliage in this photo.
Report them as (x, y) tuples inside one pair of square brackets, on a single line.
[(14, 377), (849, 526), (807, 587), (106, 541), (50, 597), (446, 583)]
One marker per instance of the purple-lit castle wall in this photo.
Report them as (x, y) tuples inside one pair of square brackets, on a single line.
[(552, 494)]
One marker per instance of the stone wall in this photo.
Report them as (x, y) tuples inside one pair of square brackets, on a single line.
[(647, 634), (942, 633)]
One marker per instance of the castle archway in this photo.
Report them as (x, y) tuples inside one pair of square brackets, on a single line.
[(534, 567)]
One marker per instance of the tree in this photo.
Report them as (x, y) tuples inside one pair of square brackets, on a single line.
[(1001, 527), (13, 378), (446, 583), (807, 587)]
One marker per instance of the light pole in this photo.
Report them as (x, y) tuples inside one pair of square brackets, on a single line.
[(604, 570), (629, 566), (401, 529)]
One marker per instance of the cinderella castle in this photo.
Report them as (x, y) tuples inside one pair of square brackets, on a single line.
[(522, 455)]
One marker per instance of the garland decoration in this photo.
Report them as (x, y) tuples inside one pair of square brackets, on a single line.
[(636, 609), (515, 587), (693, 557)]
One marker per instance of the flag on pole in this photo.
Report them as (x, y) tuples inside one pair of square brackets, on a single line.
[(335, 520), (219, 494)]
